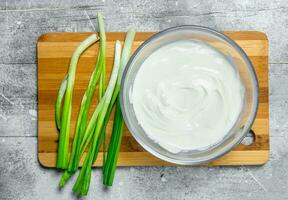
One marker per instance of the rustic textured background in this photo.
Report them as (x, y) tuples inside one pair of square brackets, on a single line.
[(23, 21)]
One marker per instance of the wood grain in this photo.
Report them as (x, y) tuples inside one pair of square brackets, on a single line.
[(54, 51)]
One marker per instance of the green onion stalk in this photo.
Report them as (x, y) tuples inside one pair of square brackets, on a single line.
[(124, 59), (109, 166), (85, 104), (99, 120), (102, 85), (114, 146), (64, 123), (59, 100), (83, 181)]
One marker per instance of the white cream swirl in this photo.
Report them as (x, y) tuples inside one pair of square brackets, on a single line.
[(187, 96)]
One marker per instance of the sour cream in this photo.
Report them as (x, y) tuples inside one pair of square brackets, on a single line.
[(187, 96)]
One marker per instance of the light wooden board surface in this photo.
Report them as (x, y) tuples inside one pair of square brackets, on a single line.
[(54, 51)]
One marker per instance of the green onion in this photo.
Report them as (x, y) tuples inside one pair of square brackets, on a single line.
[(102, 82), (85, 105), (59, 100), (114, 147), (83, 181), (92, 134), (124, 59), (82, 184), (116, 137), (103, 52), (63, 147)]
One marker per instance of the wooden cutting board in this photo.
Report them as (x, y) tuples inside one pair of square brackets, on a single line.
[(54, 51)]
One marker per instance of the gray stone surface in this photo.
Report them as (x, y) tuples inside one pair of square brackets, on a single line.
[(23, 21)]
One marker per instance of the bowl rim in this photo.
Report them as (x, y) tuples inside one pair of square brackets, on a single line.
[(254, 107)]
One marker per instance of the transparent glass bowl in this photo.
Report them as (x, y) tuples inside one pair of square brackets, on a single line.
[(233, 52)]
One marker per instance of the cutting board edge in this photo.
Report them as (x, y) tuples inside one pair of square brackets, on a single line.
[(264, 159)]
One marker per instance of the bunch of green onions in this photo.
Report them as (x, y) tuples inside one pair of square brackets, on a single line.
[(91, 135), (63, 120)]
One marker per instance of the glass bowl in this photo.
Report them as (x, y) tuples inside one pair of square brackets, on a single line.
[(241, 62)]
